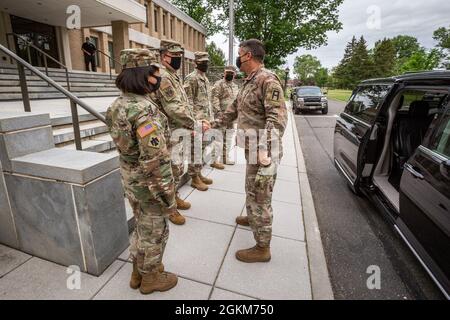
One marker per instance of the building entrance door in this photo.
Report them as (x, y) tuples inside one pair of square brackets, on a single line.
[(41, 35)]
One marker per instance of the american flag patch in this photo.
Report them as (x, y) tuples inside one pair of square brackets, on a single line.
[(146, 129)]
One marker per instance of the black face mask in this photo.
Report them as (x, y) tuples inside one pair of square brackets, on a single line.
[(229, 76), (203, 67), (238, 62), (175, 63), (156, 86)]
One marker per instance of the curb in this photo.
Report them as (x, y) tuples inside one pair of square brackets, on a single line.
[(320, 279)]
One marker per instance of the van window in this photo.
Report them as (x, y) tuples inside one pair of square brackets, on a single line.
[(441, 141), (366, 102)]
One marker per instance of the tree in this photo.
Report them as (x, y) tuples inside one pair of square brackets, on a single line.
[(216, 55), (341, 74), (442, 35), (202, 12), (405, 46), (306, 66), (384, 58), (321, 77), (283, 26), (422, 61), (356, 65)]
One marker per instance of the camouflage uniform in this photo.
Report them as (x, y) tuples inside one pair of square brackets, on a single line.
[(259, 105), (140, 132), (174, 103), (198, 90), (223, 95)]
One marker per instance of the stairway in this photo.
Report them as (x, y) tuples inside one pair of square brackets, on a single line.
[(83, 84)]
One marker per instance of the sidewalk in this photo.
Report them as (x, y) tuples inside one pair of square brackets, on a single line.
[(202, 251)]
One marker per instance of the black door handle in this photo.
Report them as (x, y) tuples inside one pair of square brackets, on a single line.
[(414, 171)]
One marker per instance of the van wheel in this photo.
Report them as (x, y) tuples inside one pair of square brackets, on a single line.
[(325, 110)]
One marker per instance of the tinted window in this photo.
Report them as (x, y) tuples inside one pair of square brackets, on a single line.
[(314, 91), (366, 102), (441, 141)]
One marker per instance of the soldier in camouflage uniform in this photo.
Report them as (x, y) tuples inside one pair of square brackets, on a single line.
[(140, 132), (198, 89), (224, 93), (259, 105), (173, 102)]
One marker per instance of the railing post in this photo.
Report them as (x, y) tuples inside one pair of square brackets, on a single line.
[(76, 125), (67, 79), (29, 54), (24, 88), (46, 68), (110, 69)]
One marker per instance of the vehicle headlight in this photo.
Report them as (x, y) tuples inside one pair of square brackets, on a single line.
[(324, 99), (300, 100)]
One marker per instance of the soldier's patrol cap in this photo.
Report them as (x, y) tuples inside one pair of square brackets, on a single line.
[(171, 46), (230, 68), (135, 58), (201, 56)]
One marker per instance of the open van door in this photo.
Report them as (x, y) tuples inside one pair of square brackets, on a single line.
[(356, 130), (424, 218)]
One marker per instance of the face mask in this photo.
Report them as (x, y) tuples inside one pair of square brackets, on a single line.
[(229, 76), (175, 63), (239, 62), (203, 67), (157, 84)]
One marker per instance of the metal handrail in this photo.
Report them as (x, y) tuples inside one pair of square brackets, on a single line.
[(110, 62), (45, 54), (74, 100)]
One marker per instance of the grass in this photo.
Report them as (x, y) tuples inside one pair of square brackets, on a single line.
[(337, 94)]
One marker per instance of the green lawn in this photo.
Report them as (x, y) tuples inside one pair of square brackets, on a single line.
[(341, 95)]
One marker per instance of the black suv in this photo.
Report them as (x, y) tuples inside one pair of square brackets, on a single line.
[(308, 98), (392, 144)]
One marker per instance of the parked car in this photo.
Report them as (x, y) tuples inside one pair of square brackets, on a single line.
[(309, 98), (392, 144)]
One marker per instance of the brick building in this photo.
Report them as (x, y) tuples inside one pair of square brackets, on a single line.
[(111, 24)]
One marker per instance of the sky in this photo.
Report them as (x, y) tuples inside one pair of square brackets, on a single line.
[(374, 19)]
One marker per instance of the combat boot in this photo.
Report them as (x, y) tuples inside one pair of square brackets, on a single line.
[(205, 180), (177, 218), (136, 277), (255, 254), (181, 204), (198, 184), (157, 281), (242, 221), (218, 166)]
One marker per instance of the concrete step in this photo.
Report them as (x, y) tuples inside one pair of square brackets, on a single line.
[(99, 143), (12, 89), (52, 72), (61, 78), (41, 83), (63, 135), (56, 95)]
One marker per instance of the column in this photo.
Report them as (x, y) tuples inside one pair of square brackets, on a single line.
[(151, 18), (168, 25), (161, 23), (103, 43), (120, 38)]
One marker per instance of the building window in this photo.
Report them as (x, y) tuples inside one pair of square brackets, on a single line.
[(146, 15), (164, 24), (156, 19)]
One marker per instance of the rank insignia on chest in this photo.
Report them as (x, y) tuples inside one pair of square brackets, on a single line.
[(146, 129)]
